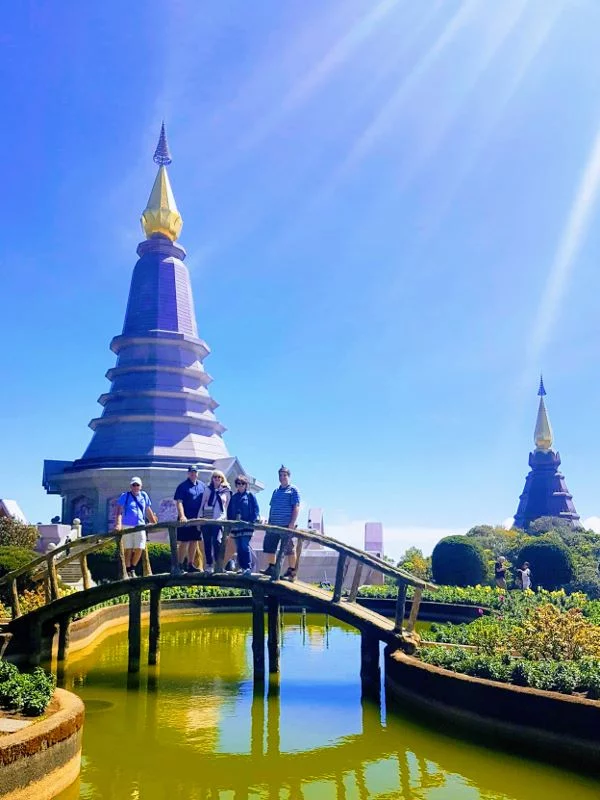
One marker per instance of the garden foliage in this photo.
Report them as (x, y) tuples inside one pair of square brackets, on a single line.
[(26, 693), (12, 558)]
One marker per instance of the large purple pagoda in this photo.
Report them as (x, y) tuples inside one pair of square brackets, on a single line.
[(158, 416), (545, 493)]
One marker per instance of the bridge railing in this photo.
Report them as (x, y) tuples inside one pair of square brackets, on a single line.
[(45, 566)]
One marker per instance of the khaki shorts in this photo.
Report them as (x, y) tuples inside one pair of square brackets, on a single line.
[(135, 541)]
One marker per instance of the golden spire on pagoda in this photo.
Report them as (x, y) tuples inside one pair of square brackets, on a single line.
[(161, 215), (543, 432)]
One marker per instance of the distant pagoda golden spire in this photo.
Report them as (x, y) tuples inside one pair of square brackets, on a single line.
[(161, 215), (543, 432)]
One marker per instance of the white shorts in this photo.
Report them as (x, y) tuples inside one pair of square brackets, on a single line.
[(134, 541)]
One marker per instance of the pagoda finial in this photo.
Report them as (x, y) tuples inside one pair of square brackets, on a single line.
[(543, 431), (161, 216), (541, 390), (162, 154)]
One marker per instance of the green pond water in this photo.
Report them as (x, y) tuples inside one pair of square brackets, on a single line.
[(193, 729)]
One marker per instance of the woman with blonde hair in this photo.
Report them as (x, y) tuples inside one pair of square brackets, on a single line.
[(214, 506)]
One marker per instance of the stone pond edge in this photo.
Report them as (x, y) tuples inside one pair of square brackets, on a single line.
[(44, 758)]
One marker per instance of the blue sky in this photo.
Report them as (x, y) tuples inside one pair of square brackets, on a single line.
[(390, 214)]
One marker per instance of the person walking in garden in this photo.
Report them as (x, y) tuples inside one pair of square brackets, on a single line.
[(284, 510), (133, 509), (188, 497), (214, 506), (500, 573), (243, 506), (525, 573)]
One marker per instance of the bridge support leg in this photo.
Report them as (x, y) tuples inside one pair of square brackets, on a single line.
[(34, 644), (258, 633), (273, 615), (64, 636), (370, 674), (134, 632), (154, 632)]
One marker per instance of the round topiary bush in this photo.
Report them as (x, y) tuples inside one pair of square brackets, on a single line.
[(12, 558), (458, 561), (160, 557), (549, 561), (102, 563)]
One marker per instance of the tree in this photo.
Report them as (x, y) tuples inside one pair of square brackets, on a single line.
[(458, 561), (415, 562), (17, 534), (550, 562), (543, 525)]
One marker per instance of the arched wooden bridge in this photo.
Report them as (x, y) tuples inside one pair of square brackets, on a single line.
[(32, 633)]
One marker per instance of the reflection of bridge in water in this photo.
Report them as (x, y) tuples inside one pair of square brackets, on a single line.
[(386, 757)]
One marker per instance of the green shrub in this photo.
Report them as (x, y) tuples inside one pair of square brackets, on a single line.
[(458, 561), (550, 562), (18, 534), (102, 563), (554, 676), (160, 557), (27, 693), (12, 558)]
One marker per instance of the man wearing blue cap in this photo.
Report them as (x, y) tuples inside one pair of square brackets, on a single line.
[(188, 497)]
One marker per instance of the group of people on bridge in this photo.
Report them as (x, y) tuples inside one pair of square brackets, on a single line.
[(214, 501)]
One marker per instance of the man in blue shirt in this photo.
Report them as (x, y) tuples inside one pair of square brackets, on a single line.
[(133, 509), (188, 497), (285, 506)]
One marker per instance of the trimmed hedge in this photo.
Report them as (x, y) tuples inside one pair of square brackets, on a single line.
[(18, 534), (550, 562), (458, 561), (103, 562)]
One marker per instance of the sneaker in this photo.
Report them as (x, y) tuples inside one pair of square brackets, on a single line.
[(209, 570), (131, 573), (246, 572), (192, 568), (290, 575), (269, 571)]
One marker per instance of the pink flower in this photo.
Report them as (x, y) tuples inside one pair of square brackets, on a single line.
[(501, 598), (480, 612)]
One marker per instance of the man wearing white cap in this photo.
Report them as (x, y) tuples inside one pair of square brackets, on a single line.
[(133, 509)]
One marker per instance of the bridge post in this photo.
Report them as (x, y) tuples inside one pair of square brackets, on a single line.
[(53, 577), (14, 599), (85, 572), (339, 578), (258, 633), (273, 624), (355, 583), (414, 609), (400, 606), (121, 558), (173, 545), (64, 636), (154, 631), (283, 540), (370, 673), (134, 631)]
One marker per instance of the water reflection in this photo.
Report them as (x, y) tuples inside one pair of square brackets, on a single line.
[(196, 728)]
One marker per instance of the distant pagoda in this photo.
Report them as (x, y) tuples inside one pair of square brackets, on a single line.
[(158, 416), (545, 493)]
